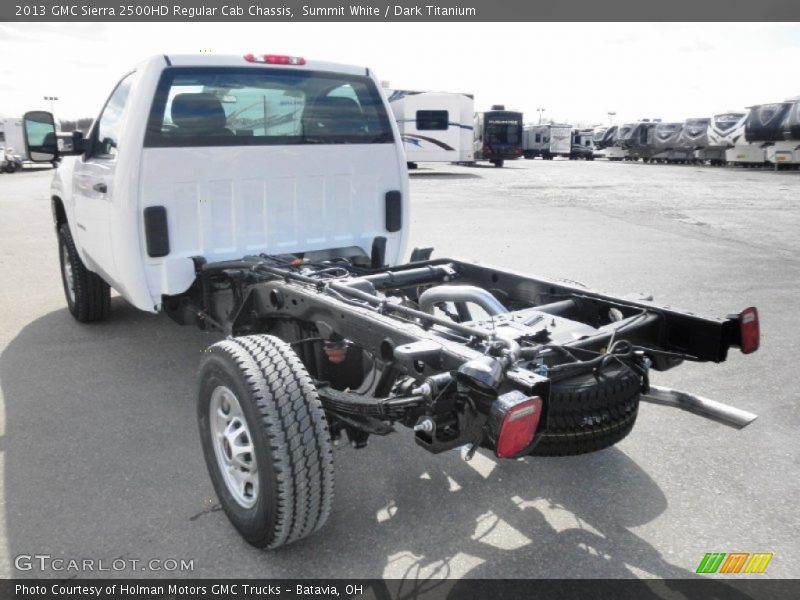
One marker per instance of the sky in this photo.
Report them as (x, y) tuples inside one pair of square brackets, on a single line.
[(577, 72)]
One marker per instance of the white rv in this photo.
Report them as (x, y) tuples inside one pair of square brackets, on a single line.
[(11, 135), (718, 137), (742, 152), (547, 141), (435, 126)]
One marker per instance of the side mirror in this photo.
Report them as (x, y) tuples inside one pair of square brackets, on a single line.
[(39, 131)]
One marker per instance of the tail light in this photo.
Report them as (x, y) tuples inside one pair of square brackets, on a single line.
[(487, 149), (514, 420), (749, 330), (275, 59)]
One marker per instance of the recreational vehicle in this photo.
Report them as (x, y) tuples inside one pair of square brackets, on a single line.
[(667, 146), (615, 150), (599, 135), (434, 126), (498, 135), (791, 130), (582, 144), (11, 136), (639, 140), (694, 136), (547, 141), (765, 127), (742, 152), (718, 137)]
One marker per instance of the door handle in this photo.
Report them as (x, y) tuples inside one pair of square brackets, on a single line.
[(100, 187)]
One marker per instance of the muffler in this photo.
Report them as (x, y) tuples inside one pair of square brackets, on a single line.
[(697, 405)]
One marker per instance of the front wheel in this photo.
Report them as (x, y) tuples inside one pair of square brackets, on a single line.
[(265, 440), (88, 296)]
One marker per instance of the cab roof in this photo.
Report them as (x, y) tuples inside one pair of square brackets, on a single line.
[(233, 60)]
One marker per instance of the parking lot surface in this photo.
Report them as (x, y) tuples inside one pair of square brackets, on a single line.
[(100, 454)]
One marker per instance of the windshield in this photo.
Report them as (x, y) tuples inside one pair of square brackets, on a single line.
[(245, 107)]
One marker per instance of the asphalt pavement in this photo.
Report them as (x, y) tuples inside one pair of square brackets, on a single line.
[(100, 455)]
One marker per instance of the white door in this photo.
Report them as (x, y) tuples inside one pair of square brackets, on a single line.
[(93, 185)]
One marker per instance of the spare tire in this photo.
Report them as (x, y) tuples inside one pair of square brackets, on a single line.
[(590, 412)]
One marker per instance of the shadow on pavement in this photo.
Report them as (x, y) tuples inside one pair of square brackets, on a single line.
[(102, 459)]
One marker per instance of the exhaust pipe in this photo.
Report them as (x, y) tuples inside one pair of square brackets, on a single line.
[(704, 407), (461, 294)]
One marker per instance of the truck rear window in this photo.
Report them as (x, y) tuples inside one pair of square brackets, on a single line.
[(252, 107)]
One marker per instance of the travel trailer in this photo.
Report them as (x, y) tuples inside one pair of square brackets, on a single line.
[(791, 129), (615, 150), (434, 126), (11, 135), (599, 135), (765, 127), (718, 137), (640, 141), (497, 135), (667, 146), (546, 141), (694, 136), (740, 151), (582, 144)]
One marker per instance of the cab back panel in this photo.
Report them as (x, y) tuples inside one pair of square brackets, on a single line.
[(221, 205)]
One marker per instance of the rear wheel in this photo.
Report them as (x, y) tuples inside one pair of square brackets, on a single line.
[(498, 163), (265, 440), (589, 413), (88, 296)]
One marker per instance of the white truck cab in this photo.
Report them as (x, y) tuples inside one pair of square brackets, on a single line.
[(221, 157)]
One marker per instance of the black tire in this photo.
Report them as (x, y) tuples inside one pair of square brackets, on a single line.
[(290, 438), (587, 414), (90, 297), (498, 163)]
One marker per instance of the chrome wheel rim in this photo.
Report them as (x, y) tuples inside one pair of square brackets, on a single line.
[(233, 447), (69, 277)]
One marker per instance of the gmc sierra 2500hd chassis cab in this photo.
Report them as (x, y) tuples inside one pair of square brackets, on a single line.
[(266, 197)]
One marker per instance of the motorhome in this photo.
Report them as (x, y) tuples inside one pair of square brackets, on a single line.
[(582, 144), (547, 141), (497, 135), (434, 126), (765, 127), (718, 137)]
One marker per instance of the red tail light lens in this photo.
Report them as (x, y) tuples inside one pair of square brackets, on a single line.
[(749, 330), (515, 419)]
